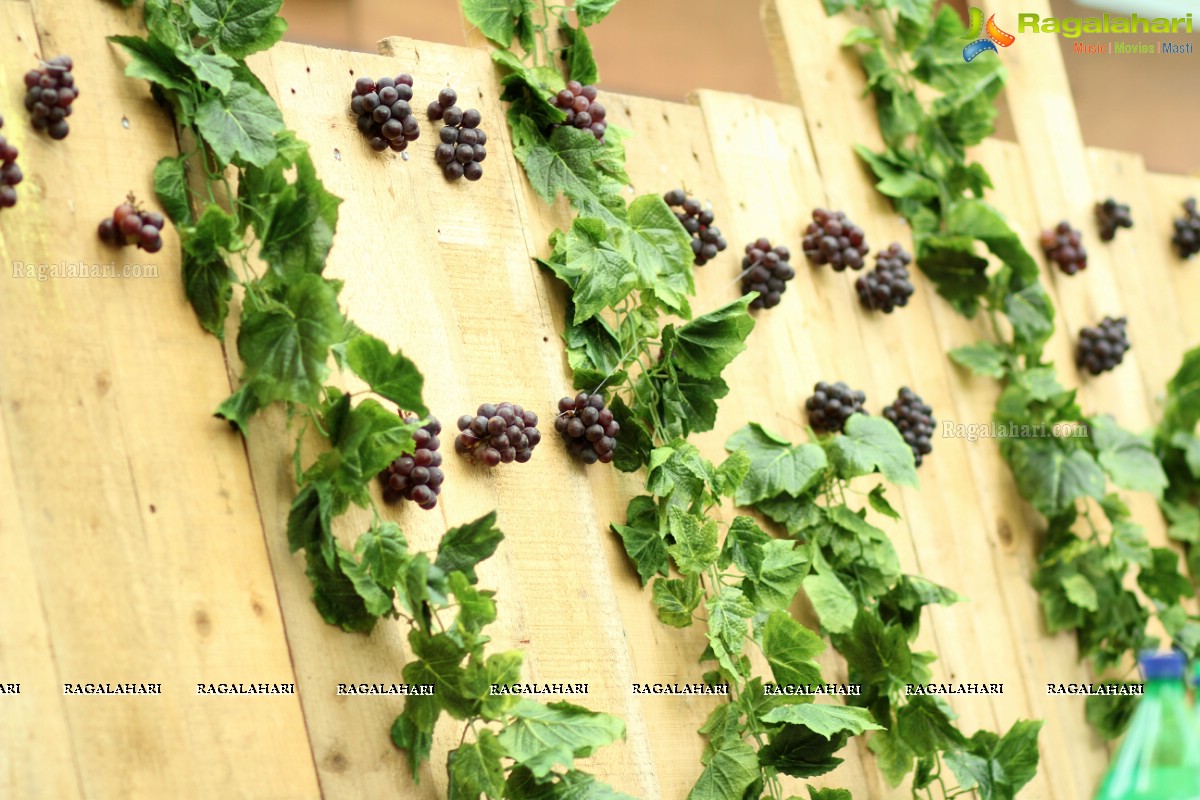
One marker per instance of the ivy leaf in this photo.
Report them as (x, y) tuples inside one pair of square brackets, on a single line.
[(643, 542), (744, 547), (832, 601), (1127, 458), (592, 11), (384, 550), (390, 375), (878, 502), (790, 648), (728, 611), (239, 27), (496, 19), (706, 345), (872, 444), (1052, 478), (784, 568), (677, 599), (695, 548), (728, 774), (801, 752), (240, 124), (541, 737), (171, 188), (776, 466), (825, 719), (474, 769), (982, 358), (463, 547)]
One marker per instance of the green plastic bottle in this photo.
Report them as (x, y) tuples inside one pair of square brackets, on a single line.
[(1160, 757)]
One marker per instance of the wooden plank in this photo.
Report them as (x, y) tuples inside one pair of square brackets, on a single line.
[(1167, 194), (139, 519)]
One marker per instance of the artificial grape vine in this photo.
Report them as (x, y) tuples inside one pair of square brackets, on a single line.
[(925, 171), (290, 327), (1178, 447)]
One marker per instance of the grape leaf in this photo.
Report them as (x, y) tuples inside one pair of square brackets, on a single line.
[(171, 188), (571, 785), (238, 27), (982, 358), (297, 231), (474, 769), (607, 273), (828, 794), (1080, 591), (581, 62), (872, 444), (728, 612), (997, 767), (384, 550), (1110, 714), (643, 542), (677, 599), (790, 648), (926, 723), (496, 19), (1127, 458), (728, 774), (593, 352), (153, 61), (825, 719), (744, 547), (802, 753), (335, 594), (592, 11), (215, 69), (893, 756), (707, 344), (662, 252), (1051, 478), (776, 466), (390, 375), (784, 568), (831, 600), (877, 653), (541, 737), (1161, 580), (566, 162), (241, 124), (1031, 315), (310, 518), (695, 548), (957, 272), (463, 547), (1182, 410), (878, 502)]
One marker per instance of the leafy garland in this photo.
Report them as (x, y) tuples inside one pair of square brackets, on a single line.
[(1178, 447), (290, 326), (924, 169)]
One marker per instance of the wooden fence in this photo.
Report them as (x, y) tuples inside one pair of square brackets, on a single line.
[(144, 542)]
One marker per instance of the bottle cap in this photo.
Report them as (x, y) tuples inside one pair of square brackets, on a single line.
[(1162, 666)]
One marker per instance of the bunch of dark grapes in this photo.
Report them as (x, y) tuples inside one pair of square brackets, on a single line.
[(587, 427), (1062, 245), (583, 112), (10, 173), (1103, 347), (417, 477), (707, 240), (384, 114), (766, 270), (498, 432), (462, 148), (915, 420), (888, 285), (50, 91), (1187, 230), (1111, 215), (831, 238), (832, 404), (129, 224)]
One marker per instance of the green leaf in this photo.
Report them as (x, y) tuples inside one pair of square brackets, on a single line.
[(240, 125), (926, 723), (634, 444), (1053, 478), (1127, 458), (957, 272), (1080, 591), (678, 473), (776, 466), (744, 547), (978, 220), (728, 612), (662, 253), (872, 444), (215, 69), (1031, 315), (593, 352), (607, 273), (784, 568), (581, 62), (828, 794), (365, 438), (336, 594), (416, 741), (1182, 410), (567, 162), (463, 547), (238, 27), (474, 769), (859, 34), (496, 19), (310, 519), (384, 551), (824, 719), (500, 669), (207, 278), (171, 188), (153, 61), (1162, 581), (695, 548), (790, 648), (878, 502), (541, 737), (832, 601), (643, 542), (572, 785), (982, 358), (1109, 715), (300, 217), (998, 767), (801, 752), (893, 756), (390, 375), (377, 599), (677, 599), (592, 11), (707, 344), (728, 773), (877, 653)]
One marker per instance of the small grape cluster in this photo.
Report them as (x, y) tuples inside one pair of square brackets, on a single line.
[(914, 419), (10, 173), (1111, 215), (587, 427), (832, 404), (707, 240), (887, 286), (831, 238), (1063, 245), (463, 142), (384, 114), (50, 91), (1187, 230), (417, 477), (583, 112), (129, 224), (1103, 347), (499, 432), (766, 270)]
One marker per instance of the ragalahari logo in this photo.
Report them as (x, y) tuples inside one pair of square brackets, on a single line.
[(982, 44)]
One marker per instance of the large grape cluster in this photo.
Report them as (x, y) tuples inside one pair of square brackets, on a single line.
[(887, 286), (384, 114), (587, 427), (463, 141), (1102, 347), (831, 238), (832, 404), (10, 173), (1187, 230), (1063, 245), (130, 224), (914, 418), (1111, 215), (583, 112), (417, 477), (49, 93), (499, 432), (766, 270), (707, 240)]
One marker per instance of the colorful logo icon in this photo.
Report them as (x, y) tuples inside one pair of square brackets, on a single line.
[(982, 44)]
